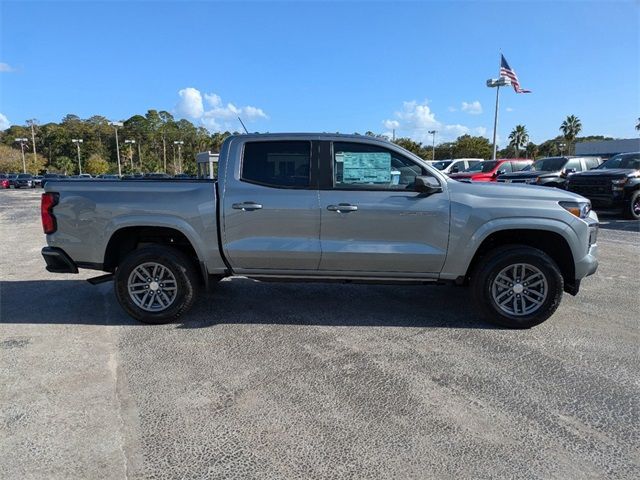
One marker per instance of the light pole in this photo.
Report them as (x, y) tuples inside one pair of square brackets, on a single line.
[(32, 123), (130, 143), (179, 143), (115, 126), (497, 83), (561, 146), (22, 142), (433, 144), (78, 141)]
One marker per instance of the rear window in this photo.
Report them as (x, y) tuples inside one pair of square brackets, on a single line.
[(631, 161), (277, 164)]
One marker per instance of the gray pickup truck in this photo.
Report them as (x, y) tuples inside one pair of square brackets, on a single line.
[(320, 207)]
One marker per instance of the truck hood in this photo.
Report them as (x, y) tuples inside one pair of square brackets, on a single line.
[(528, 174), (608, 172), (470, 176), (516, 191)]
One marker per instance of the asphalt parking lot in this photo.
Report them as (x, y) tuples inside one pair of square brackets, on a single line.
[(313, 381)]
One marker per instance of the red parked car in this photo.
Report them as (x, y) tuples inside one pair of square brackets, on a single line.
[(4, 180), (488, 171)]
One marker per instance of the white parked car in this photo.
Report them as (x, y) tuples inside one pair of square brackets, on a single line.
[(456, 165)]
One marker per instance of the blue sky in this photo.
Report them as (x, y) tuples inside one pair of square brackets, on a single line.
[(325, 66)]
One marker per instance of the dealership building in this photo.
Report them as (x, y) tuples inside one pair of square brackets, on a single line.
[(608, 148)]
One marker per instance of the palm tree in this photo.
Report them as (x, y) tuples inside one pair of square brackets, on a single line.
[(519, 137), (570, 128), (638, 124)]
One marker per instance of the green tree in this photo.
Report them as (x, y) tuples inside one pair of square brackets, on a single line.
[(96, 165), (570, 129), (638, 124), (65, 165), (531, 150), (518, 138), (467, 146), (413, 147)]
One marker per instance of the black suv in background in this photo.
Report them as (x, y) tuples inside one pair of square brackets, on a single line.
[(613, 185), (551, 171)]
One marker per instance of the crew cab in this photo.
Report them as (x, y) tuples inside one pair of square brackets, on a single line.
[(490, 170), (613, 185), (551, 171), (321, 207)]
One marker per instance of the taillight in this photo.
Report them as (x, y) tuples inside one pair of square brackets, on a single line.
[(49, 200)]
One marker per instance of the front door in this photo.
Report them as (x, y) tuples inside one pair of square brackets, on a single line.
[(371, 218), (270, 208)]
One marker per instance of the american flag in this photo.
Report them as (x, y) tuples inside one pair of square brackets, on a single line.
[(507, 71)]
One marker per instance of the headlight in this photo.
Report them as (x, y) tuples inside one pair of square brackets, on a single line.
[(579, 209), (620, 181)]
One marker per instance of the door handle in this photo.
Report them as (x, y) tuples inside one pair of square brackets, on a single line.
[(246, 206), (342, 207)]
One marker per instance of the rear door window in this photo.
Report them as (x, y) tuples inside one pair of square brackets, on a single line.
[(506, 166), (283, 164), (573, 164)]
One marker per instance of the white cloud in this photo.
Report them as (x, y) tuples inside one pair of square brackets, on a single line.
[(473, 108), (190, 103), (4, 122), (415, 120), (509, 109), (6, 68), (481, 131), (217, 116)]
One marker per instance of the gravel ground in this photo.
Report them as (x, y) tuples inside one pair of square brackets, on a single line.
[(311, 381)]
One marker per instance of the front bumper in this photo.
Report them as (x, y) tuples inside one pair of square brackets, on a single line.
[(58, 261)]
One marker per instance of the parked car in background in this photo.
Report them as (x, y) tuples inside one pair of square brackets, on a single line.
[(306, 207), (551, 171), (613, 185), (455, 165), (108, 176), (488, 171), (12, 177), (4, 180), (37, 180), (23, 180), (49, 176)]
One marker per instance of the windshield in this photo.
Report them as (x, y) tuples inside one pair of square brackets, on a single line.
[(547, 165), (442, 165), (484, 167), (24, 175), (631, 161)]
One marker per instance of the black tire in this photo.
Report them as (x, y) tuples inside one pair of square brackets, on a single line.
[(492, 264), (632, 209), (180, 266)]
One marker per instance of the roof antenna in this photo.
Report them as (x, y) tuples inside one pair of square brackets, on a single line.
[(245, 128)]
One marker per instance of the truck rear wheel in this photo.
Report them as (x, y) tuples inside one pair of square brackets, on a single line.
[(156, 284), (517, 286)]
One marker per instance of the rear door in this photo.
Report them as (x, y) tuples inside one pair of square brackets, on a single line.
[(270, 207), (371, 218)]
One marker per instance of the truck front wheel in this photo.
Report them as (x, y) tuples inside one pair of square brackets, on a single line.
[(632, 209), (156, 284), (517, 286)]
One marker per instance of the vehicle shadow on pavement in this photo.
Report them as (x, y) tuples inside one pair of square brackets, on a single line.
[(244, 301), (608, 222)]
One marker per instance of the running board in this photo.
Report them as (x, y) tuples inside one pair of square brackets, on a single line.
[(101, 279)]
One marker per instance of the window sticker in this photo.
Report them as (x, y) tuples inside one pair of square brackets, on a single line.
[(365, 167)]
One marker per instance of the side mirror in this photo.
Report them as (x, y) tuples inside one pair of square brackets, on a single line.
[(499, 172), (569, 171), (455, 169), (426, 184)]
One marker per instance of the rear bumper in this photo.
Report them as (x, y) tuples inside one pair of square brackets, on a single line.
[(58, 261)]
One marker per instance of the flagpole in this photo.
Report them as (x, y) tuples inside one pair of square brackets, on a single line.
[(495, 122)]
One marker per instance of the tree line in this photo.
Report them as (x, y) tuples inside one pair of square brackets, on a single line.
[(157, 142)]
